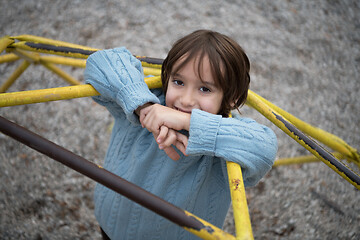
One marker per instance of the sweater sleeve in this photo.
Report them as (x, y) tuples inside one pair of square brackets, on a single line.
[(118, 76), (243, 141)]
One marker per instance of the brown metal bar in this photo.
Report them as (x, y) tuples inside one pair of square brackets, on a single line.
[(110, 180)]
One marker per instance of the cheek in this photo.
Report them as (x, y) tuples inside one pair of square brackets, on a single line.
[(211, 106), (169, 98)]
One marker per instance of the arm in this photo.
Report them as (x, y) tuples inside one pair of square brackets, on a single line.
[(118, 77), (243, 141)]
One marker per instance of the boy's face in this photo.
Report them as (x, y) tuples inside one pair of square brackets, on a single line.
[(186, 91)]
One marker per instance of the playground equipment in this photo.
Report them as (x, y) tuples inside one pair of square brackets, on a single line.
[(48, 52)]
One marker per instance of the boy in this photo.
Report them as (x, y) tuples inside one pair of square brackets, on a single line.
[(205, 75)]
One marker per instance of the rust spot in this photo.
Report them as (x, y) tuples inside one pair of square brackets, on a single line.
[(236, 183)]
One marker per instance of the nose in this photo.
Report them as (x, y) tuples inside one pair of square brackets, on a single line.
[(188, 99)]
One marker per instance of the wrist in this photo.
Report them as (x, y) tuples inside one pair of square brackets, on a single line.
[(186, 121)]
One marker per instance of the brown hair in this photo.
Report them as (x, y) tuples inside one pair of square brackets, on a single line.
[(229, 64)]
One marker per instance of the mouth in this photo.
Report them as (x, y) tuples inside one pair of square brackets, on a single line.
[(182, 110)]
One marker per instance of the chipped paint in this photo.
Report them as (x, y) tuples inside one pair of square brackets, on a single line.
[(62, 49)]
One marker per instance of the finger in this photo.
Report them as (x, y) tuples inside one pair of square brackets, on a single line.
[(143, 111), (162, 135), (150, 123), (182, 138), (169, 140), (179, 145), (171, 152)]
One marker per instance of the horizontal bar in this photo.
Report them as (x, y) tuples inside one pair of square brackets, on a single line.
[(82, 63), (52, 49), (11, 57), (146, 199), (48, 41), (46, 95), (61, 93)]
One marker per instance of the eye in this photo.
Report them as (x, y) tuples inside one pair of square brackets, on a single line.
[(205, 89), (178, 82)]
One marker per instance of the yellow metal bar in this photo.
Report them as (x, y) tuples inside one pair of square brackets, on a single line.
[(151, 65), (209, 231), (36, 39), (303, 159), (62, 93), (8, 58), (150, 62), (18, 71), (50, 49), (153, 82), (61, 73), (152, 71), (5, 42), (46, 95), (319, 152), (29, 56), (239, 203), (64, 61), (82, 63), (326, 138)]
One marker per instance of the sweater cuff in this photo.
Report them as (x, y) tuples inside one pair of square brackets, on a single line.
[(132, 96), (203, 132)]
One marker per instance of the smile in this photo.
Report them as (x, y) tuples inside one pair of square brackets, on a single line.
[(181, 110)]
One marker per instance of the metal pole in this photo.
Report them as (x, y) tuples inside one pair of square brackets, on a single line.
[(181, 217)]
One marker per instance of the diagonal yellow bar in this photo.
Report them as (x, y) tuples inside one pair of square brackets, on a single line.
[(61, 73), (28, 56), (326, 138), (302, 159), (239, 203), (4, 42), (284, 125), (18, 71)]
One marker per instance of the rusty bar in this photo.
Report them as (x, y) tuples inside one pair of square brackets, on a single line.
[(112, 181)]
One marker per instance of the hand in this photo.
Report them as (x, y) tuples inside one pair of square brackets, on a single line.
[(168, 137), (154, 116), (165, 136)]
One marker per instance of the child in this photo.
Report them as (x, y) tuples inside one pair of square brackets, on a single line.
[(204, 76)]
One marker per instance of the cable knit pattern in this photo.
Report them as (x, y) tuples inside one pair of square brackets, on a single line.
[(197, 182)]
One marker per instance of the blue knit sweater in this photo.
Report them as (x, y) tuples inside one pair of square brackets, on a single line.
[(197, 182)]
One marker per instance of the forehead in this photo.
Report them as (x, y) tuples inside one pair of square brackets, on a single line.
[(198, 66)]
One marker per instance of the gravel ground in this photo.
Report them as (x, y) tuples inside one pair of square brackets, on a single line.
[(305, 58)]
